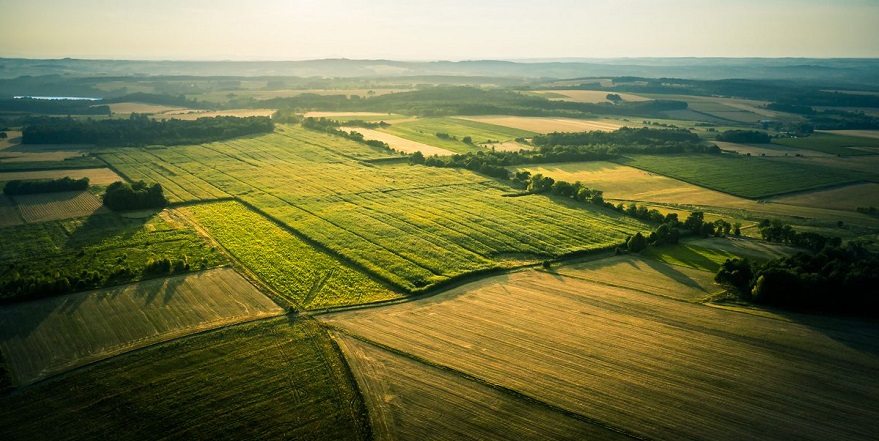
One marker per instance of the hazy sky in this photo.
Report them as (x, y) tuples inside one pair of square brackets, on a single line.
[(433, 30)]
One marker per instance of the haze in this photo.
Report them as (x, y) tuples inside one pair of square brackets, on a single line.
[(448, 30)]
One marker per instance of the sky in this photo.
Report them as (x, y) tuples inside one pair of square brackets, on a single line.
[(436, 30)]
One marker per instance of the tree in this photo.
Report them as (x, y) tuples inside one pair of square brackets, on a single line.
[(636, 243), (417, 158), (467, 140), (694, 222), (614, 97), (3, 135)]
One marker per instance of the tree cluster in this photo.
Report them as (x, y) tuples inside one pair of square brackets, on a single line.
[(625, 140), (744, 137), (776, 231), (136, 196), (17, 187), (838, 278), (140, 130)]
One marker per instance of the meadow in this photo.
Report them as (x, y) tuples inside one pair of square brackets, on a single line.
[(50, 336), (842, 145), (276, 379), (606, 353)]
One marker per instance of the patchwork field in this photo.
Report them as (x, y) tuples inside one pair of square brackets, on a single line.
[(741, 176), (411, 226), (403, 397), (302, 274), (425, 130), (275, 379), (834, 144), (398, 143), (55, 206), (547, 125), (607, 354), (586, 96), (46, 337), (97, 176)]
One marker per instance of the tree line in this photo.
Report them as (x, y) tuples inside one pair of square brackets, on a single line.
[(19, 187), (140, 130)]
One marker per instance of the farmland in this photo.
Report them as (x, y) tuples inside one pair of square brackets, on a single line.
[(54, 206), (9, 215), (709, 254), (397, 143), (844, 198), (425, 130), (842, 145), (46, 337), (752, 178), (97, 176), (608, 353), (302, 274), (273, 379), (586, 96), (99, 250), (548, 125)]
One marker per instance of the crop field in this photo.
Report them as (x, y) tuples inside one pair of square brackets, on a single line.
[(304, 275), (46, 337), (645, 275), (509, 146), (186, 114), (129, 108), (412, 226), (834, 144), (55, 206), (275, 379), (402, 396), (586, 96), (14, 151), (548, 125), (856, 133), (843, 198), (607, 354), (399, 144), (709, 254), (97, 176), (8, 213), (424, 130), (765, 149), (752, 178), (105, 243)]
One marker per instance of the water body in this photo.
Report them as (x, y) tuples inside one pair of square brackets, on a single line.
[(74, 98)]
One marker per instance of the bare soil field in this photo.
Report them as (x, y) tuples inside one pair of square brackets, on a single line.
[(645, 275), (97, 176), (588, 96), (54, 206), (8, 213), (654, 366), (547, 125), (403, 396), (843, 198), (46, 337), (398, 143)]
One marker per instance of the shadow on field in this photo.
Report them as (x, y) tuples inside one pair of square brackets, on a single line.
[(99, 227), (673, 273), (860, 334)]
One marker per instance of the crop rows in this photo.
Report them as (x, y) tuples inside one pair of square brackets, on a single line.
[(52, 206), (305, 276), (741, 176)]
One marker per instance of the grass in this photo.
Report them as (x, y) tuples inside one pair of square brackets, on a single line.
[(277, 379), (743, 176), (50, 336), (304, 275), (606, 354), (841, 145), (114, 247), (709, 254), (425, 130)]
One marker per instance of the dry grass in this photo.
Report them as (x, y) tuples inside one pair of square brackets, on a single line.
[(547, 125), (46, 337), (844, 198), (97, 176), (8, 213), (661, 368), (402, 397), (398, 143), (55, 206), (645, 275), (767, 149), (588, 96), (509, 146)]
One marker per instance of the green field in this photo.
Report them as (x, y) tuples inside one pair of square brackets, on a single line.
[(277, 379), (412, 226), (747, 177), (302, 274), (841, 145), (425, 130), (709, 254), (100, 250)]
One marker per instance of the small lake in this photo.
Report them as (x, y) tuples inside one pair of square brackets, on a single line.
[(75, 98)]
